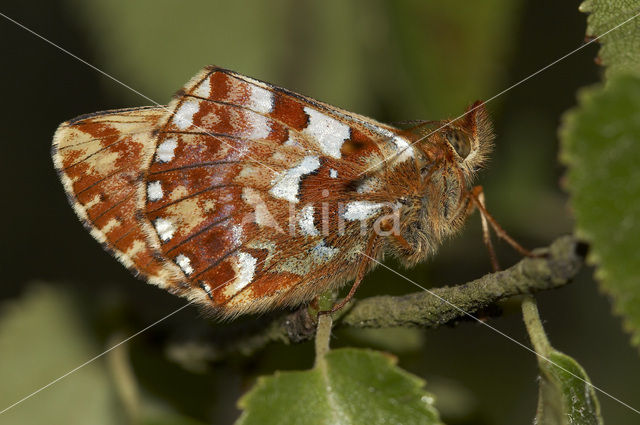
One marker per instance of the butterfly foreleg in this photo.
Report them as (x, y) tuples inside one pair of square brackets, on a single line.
[(476, 195)]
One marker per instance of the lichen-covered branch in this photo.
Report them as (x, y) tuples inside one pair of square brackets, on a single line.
[(560, 263), (442, 305)]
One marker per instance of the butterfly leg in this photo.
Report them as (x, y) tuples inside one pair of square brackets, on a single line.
[(477, 196), (486, 234), (363, 266)]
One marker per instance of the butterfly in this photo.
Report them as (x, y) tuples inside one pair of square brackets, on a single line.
[(244, 197)]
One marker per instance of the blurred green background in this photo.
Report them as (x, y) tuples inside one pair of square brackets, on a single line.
[(64, 299)]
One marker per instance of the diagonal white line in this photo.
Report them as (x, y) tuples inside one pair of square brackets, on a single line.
[(544, 68), (404, 277), (373, 166), (123, 84), (94, 358), (111, 348), (501, 333)]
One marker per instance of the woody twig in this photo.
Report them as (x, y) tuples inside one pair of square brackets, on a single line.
[(563, 259)]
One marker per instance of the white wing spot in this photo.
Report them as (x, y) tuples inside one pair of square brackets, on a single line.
[(322, 252), (206, 288), (154, 191), (287, 185), (403, 147), (245, 267), (328, 132), (204, 88), (333, 174), (405, 150), (361, 210), (368, 185), (261, 100), (258, 126), (164, 153), (164, 228), (306, 221), (183, 117), (236, 234), (184, 263)]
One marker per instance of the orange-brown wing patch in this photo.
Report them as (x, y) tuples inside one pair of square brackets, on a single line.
[(235, 190), (364, 140), (101, 160), (239, 195)]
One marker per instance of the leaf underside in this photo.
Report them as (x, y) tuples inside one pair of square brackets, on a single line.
[(619, 41), (600, 146), (564, 399)]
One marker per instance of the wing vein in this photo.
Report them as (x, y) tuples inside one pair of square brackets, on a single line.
[(196, 165)]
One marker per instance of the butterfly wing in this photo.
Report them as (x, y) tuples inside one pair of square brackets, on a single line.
[(100, 159), (239, 195), (238, 202)]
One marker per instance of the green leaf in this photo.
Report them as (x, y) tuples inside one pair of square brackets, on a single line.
[(601, 147), (566, 396), (620, 51), (347, 386), (563, 398), (42, 338)]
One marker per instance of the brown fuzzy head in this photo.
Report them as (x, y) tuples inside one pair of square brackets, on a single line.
[(451, 152), (463, 143)]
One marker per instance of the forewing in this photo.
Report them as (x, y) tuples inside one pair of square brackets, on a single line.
[(236, 186)]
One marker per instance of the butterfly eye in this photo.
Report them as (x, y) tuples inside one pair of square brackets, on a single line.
[(460, 142)]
